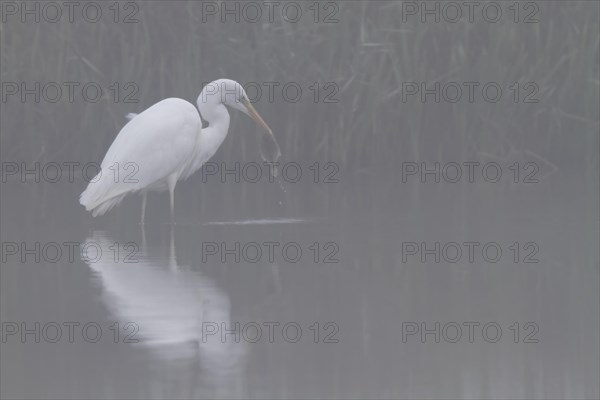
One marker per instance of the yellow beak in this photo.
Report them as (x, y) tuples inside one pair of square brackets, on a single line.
[(256, 116)]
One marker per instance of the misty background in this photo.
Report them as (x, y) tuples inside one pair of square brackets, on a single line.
[(368, 54)]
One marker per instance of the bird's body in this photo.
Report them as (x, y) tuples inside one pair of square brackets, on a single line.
[(164, 144)]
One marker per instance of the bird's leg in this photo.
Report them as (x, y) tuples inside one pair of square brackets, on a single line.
[(142, 220), (172, 255), (171, 183), (172, 203)]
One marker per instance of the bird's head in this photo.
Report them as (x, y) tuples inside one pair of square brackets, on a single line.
[(230, 93)]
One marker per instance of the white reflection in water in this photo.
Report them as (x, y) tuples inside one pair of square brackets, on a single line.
[(169, 303)]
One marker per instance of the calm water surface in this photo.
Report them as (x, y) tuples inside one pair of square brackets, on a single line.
[(359, 308)]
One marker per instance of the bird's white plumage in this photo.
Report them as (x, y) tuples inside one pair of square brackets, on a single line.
[(164, 144), (155, 144)]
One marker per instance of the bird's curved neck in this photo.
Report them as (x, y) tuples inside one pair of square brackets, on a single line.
[(217, 117)]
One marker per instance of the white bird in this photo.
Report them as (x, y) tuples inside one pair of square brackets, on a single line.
[(164, 144)]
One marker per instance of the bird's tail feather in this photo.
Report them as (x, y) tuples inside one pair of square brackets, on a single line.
[(106, 205), (98, 198)]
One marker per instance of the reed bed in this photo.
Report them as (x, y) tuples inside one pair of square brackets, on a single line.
[(368, 54)]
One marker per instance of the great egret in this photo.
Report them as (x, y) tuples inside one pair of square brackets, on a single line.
[(164, 144)]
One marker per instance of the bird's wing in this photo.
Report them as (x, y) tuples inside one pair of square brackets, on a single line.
[(153, 145)]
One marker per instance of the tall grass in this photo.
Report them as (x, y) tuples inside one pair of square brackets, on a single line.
[(368, 54)]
